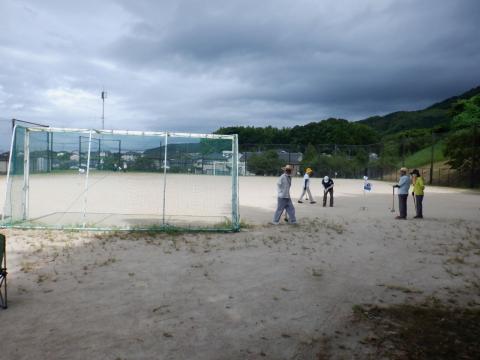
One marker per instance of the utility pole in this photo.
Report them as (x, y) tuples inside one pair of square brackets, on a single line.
[(474, 155), (403, 151), (431, 159), (104, 96)]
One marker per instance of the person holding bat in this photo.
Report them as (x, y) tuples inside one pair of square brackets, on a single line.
[(306, 187), (418, 192), (327, 188)]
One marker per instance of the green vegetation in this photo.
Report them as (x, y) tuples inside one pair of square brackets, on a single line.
[(462, 146), (266, 163), (373, 145), (438, 116), (423, 156), (330, 131)]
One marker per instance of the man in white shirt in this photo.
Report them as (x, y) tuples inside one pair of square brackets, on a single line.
[(284, 202), (306, 187)]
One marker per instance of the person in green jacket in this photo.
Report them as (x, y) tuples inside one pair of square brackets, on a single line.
[(418, 188)]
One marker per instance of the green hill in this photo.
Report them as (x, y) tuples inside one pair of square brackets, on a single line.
[(436, 115)]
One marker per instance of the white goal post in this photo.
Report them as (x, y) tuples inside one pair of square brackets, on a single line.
[(121, 180)]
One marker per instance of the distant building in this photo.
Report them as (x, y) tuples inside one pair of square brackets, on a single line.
[(4, 162)]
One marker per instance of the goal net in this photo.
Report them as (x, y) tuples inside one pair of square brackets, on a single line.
[(132, 180)]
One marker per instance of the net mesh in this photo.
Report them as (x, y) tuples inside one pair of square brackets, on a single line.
[(60, 178)]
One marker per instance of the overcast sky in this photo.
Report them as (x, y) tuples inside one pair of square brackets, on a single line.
[(198, 65)]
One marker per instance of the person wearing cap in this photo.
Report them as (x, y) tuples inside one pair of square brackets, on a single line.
[(403, 187), (306, 187), (327, 188), (418, 188), (284, 202)]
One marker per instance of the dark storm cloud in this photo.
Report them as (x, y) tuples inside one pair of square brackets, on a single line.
[(186, 65)]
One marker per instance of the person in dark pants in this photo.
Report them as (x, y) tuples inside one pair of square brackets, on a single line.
[(403, 188), (327, 189), (418, 188)]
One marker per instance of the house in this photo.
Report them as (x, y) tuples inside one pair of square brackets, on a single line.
[(4, 162)]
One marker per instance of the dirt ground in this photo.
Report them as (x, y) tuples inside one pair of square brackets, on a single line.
[(273, 292)]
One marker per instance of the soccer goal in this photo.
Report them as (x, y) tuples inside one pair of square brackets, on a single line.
[(121, 180)]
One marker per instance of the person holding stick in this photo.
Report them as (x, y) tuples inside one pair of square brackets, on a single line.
[(418, 192), (306, 187), (403, 188), (327, 189)]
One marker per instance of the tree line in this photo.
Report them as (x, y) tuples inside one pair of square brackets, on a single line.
[(340, 144)]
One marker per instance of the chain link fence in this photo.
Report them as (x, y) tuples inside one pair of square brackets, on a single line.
[(381, 161)]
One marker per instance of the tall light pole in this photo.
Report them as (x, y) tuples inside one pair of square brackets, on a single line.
[(104, 96)]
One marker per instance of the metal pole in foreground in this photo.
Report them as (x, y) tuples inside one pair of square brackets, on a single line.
[(164, 177), (85, 194)]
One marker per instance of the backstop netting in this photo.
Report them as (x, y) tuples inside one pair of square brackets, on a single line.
[(108, 179)]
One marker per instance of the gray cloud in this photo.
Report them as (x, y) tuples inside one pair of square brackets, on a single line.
[(195, 66)]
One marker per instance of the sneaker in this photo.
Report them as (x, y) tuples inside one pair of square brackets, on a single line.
[(274, 223), (300, 201), (313, 202), (418, 217), (400, 218)]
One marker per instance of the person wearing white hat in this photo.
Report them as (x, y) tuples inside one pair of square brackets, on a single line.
[(284, 202), (403, 187), (327, 189), (306, 187)]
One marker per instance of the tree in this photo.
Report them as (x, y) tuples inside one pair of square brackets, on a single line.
[(310, 157), (462, 145), (267, 163), (469, 114)]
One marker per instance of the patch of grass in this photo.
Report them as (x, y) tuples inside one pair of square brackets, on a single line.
[(108, 262), (27, 266), (456, 260), (403, 289), (425, 331), (317, 272), (423, 156)]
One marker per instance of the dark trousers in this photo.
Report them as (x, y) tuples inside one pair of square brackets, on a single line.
[(419, 205), (325, 193), (402, 204)]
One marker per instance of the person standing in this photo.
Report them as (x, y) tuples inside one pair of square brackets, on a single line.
[(284, 202), (306, 187), (327, 189), (403, 187), (418, 192)]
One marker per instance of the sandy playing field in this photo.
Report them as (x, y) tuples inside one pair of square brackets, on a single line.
[(274, 292)]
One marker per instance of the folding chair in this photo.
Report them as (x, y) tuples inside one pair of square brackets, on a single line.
[(3, 272)]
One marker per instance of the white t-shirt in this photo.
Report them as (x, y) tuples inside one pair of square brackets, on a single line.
[(306, 181)]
